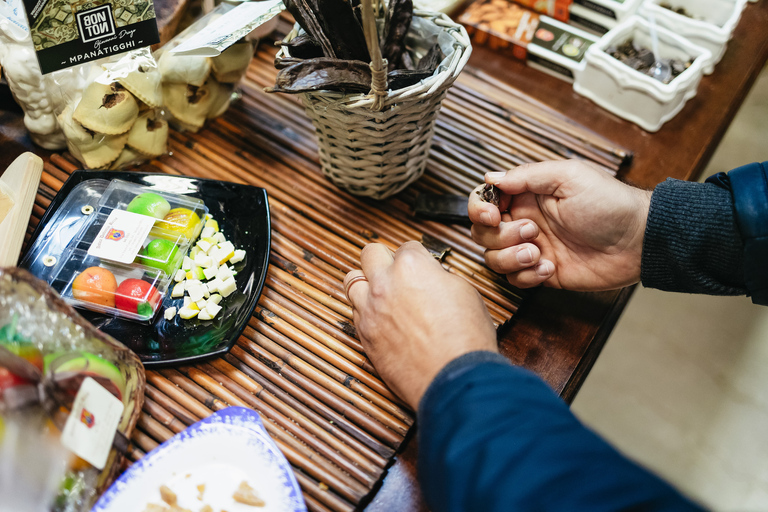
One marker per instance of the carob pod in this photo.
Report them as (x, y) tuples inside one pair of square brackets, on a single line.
[(400, 78), (305, 17), (396, 25), (347, 76), (432, 59), (285, 62), (341, 27), (303, 46), (324, 74)]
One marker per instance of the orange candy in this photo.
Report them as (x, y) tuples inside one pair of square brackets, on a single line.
[(96, 285)]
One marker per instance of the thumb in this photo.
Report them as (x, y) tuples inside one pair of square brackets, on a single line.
[(542, 178)]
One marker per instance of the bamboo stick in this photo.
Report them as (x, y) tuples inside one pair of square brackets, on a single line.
[(169, 405), (332, 290), (311, 305), (339, 307), (154, 428), (307, 404), (314, 356), (178, 395), (292, 354), (366, 477), (390, 416), (299, 256), (167, 419), (300, 311), (268, 366), (346, 445), (313, 488), (146, 443)]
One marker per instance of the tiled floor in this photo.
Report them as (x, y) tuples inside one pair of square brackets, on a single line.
[(682, 384)]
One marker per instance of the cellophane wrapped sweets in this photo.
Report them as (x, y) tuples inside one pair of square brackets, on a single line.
[(47, 354), (198, 88)]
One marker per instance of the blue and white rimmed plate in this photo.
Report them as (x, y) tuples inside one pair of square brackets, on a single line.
[(205, 464)]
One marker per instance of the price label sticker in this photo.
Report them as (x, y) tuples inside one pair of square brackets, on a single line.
[(122, 236), (92, 423)]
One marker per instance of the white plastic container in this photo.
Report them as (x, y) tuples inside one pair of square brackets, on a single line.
[(711, 26), (631, 94), (590, 20), (617, 10)]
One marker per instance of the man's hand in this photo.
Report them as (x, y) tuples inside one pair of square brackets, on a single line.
[(413, 317), (565, 224)]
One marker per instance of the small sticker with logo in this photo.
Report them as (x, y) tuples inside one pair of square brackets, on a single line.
[(122, 236), (92, 423)]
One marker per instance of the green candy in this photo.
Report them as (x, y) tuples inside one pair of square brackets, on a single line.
[(161, 254), (150, 204)]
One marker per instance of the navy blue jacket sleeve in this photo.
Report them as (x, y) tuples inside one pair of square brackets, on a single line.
[(494, 437)]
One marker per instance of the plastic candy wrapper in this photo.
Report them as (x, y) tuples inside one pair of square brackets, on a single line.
[(47, 353), (41, 97), (106, 112), (197, 88), (115, 120)]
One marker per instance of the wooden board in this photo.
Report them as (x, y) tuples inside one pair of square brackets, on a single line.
[(21, 178)]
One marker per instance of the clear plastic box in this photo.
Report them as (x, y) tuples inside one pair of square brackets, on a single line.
[(124, 256)]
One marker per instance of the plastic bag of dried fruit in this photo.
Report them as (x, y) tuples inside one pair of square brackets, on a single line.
[(106, 112), (116, 120), (198, 87)]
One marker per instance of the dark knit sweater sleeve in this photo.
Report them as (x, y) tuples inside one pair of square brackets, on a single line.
[(692, 243)]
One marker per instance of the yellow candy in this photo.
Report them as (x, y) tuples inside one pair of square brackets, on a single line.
[(180, 220)]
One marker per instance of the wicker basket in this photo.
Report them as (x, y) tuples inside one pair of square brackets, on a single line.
[(376, 146)]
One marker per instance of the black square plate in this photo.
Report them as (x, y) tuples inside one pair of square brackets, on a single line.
[(243, 215)]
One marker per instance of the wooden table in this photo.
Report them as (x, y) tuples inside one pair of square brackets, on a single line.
[(559, 334)]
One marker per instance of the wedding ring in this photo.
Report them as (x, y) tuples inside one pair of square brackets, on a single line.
[(350, 283)]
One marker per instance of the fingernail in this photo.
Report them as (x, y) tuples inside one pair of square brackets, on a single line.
[(494, 177), (486, 218), (528, 232), (525, 256), (544, 269)]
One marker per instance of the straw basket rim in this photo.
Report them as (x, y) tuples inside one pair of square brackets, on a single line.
[(427, 86)]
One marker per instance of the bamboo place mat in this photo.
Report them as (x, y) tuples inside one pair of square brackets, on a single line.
[(299, 362)]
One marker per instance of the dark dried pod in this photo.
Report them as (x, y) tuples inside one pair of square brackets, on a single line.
[(432, 59), (324, 74), (305, 17), (396, 25), (303, 46), (400, 78), (341, 27)]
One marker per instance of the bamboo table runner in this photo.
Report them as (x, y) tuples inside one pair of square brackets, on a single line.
[(299, 362)]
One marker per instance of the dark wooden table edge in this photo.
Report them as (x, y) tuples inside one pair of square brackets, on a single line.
[(572, 387)]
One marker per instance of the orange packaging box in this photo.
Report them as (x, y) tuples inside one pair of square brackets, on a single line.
[(501, 25)]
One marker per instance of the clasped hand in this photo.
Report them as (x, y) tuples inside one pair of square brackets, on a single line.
[(563, 224)]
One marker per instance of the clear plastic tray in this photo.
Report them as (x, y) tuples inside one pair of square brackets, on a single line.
[(179, 215), (126, 248), (131, 291)]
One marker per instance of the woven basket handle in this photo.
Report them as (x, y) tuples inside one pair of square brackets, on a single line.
[(378, 64)]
